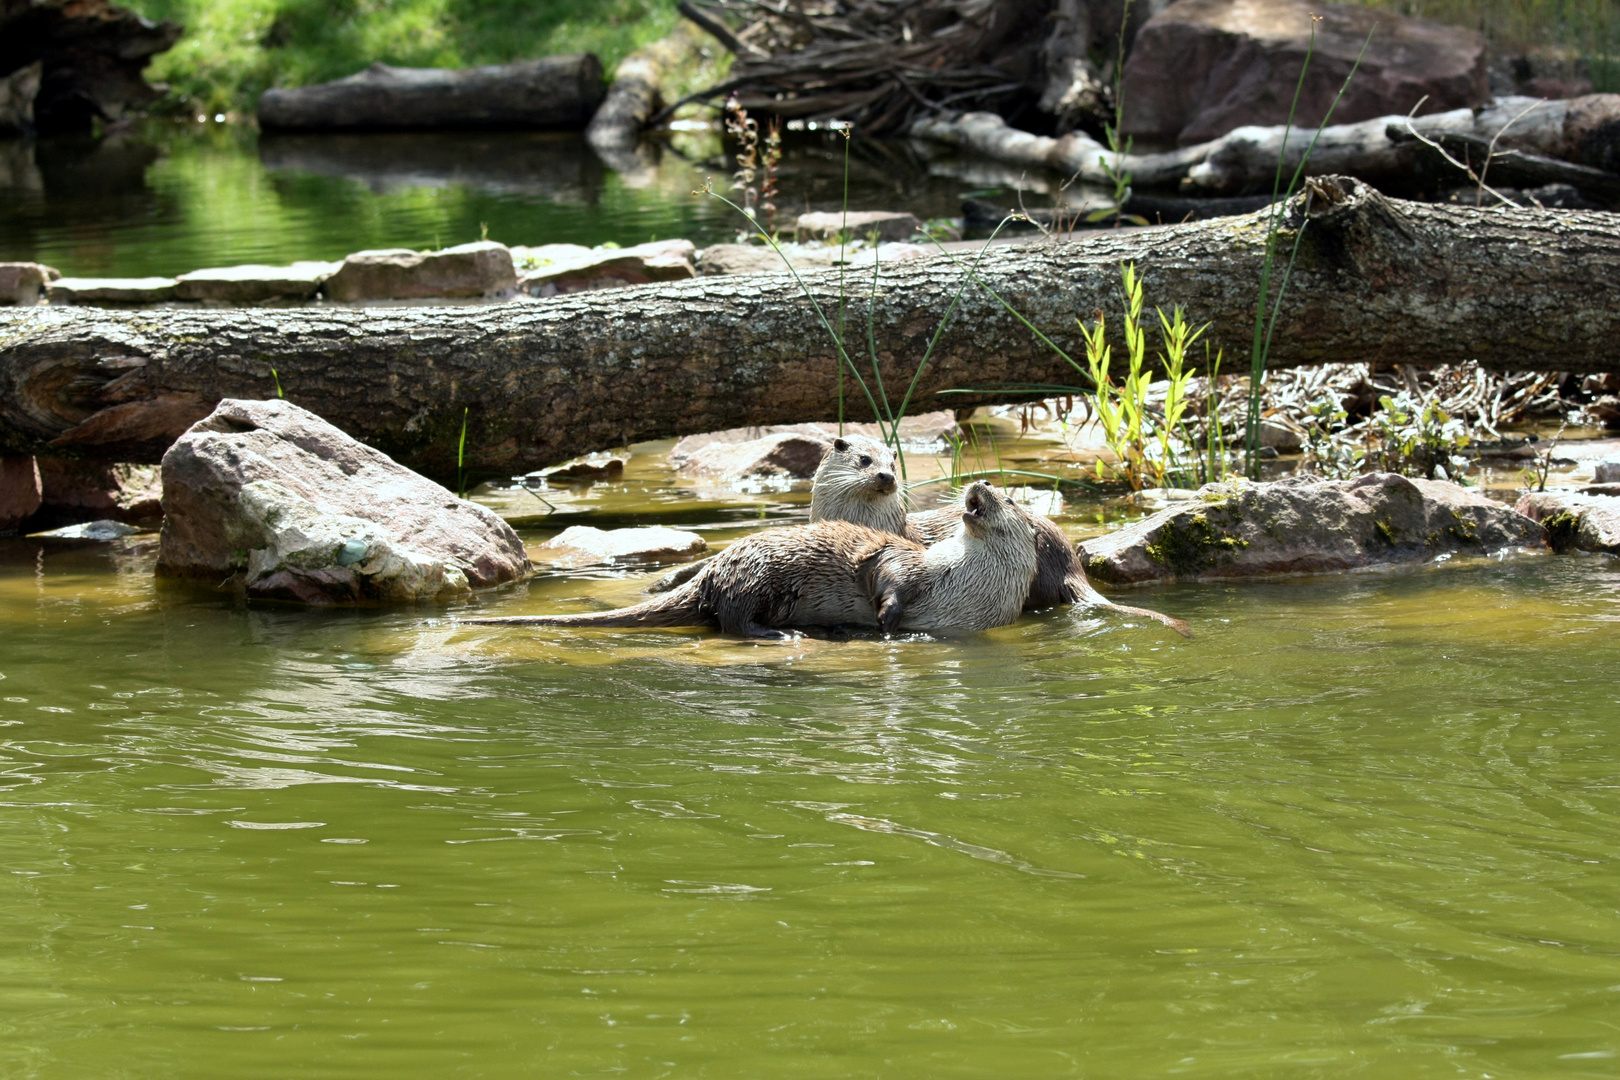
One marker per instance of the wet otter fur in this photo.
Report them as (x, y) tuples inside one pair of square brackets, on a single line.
[(855, 482), (837, 573)]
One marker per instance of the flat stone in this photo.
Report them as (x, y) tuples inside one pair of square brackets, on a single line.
[(99, 531), (19, 490), (1306, 525), (251, 284), (585, 545), (585, 269), (479, 269), (147, 290), (888, 224), (1576, 521), (23, 283), (782, 456), (1202, 68), (270, 496)]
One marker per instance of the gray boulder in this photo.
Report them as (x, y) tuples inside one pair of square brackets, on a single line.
[(564, 268), (19, 490), (269, 495), (888, 224), (1607, 472), (1306, 525), (1202, 68), (479, 269), (783, 456), (147, 290), (254, 284), (585, 545), (23, 283), (1575, 521)]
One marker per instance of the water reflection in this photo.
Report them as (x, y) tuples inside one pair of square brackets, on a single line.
[(560, 168)]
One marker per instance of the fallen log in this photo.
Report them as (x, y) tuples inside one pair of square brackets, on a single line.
[(553, 92), (1582, 131), (539, 382)]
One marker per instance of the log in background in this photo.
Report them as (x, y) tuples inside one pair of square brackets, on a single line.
[(1377, 280)]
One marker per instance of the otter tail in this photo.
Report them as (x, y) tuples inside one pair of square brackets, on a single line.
[(678, 608), (1085, 594)]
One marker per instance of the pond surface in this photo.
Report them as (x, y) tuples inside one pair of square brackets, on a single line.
[(1361, 825), (165, 198)]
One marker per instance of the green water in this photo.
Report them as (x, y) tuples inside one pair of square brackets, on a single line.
[(1362, 825), (167, 197)]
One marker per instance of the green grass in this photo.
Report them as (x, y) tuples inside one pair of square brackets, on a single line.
[(234, 49)]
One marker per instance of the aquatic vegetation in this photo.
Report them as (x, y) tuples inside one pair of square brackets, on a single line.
[(1418, 438)]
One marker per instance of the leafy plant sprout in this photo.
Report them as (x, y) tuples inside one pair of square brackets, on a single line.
[(275, 378), (461, 455)]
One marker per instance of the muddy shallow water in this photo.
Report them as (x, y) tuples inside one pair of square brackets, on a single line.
[(1359, 825)]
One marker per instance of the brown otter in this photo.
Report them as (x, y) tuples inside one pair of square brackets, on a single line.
[(836, 573), (855, 482)]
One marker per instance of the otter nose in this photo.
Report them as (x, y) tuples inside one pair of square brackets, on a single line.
[(885, 479)]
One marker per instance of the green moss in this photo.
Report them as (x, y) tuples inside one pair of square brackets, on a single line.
[(1562, 529), (1464, 529), (1386, 532), (1189, 546), (1099, 569)]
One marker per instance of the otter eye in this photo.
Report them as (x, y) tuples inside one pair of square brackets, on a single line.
[(866, 462)]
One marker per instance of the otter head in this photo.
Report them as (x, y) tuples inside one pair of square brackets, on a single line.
[(856, 482), (988, 513)]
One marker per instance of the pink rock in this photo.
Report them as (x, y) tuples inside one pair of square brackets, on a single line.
[(1202, 68)]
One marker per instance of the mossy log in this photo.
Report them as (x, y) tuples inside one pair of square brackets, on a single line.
[(542, 381)]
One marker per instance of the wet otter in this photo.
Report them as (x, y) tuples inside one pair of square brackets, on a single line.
[(837, 573), (855, 482)]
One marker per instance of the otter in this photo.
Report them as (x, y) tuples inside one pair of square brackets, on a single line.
[(838, 573), (855, 482)]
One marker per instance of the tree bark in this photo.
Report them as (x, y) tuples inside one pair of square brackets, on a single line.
[(559, 92), (542, 381)]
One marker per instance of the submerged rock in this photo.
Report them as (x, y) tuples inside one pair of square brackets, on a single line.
[(585, 545), (272, 496), (98, 531), (1307, 525), (1576, 521), (479, 269)]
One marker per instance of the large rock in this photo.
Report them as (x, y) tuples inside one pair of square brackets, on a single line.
[(17, 93), (147, 290), (585, 545), (1203, 68), (1576, 521), (482, 268), (90, 53), (565, 268), (548, 92), (19, 491), (272, 496), (1305, 525), (1607, 472), (889, 225), (783, 456), (23, 283), (255, 284)]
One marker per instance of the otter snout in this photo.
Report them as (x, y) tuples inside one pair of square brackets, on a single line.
[(883, 483)]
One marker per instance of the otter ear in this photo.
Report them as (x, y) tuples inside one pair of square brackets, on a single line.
[(840, 445)]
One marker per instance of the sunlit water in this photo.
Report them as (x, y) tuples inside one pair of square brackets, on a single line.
[(1360, 825), (166, 198)]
